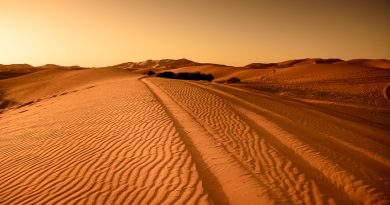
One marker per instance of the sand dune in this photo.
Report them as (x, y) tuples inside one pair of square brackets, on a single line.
[(54, 82), (352, 82), (14, 70), (111, 136), (162, 64), (90, 146)]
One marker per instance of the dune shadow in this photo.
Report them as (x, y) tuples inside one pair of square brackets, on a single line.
[(4, 103), (386, 91), (26, 104)]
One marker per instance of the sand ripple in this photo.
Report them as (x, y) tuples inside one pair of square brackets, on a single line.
[(133, 140)]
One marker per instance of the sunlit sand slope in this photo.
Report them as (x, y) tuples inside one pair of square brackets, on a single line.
[(122, 138), (106, 143)]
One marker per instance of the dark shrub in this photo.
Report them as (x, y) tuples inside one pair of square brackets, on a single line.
[(150, 73), (195, 76), (187, 76), (209, 77), (233, 80), (166, 75)]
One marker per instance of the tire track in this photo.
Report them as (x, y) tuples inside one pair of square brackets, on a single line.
[(211, 155), (357, 184), (292, 171)]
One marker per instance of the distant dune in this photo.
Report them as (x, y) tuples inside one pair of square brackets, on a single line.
[(312, 78), (310, 131), (291, 63), (14, 70), (159, 64), (354, 81)]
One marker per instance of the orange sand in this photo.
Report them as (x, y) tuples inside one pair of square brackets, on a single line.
[(112, 136)]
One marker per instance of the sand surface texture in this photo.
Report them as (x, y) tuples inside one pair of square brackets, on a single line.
[(108, 136)]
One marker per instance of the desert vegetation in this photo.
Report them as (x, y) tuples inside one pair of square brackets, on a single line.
[(150, 72), (186, 76), (233, 80)]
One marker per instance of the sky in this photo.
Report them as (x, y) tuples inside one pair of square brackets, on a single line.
[(232, 32)]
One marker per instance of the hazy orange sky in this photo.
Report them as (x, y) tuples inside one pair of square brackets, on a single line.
[(234, 32)]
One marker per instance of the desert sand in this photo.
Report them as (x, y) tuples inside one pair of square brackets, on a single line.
[(297, 132)]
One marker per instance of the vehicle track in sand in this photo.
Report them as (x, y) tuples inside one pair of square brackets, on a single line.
[(297, 155)]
